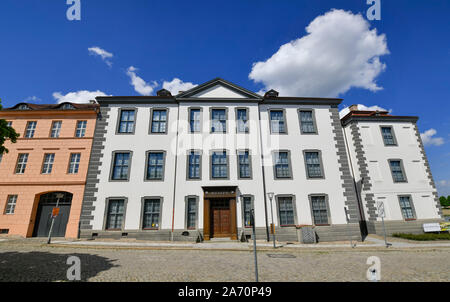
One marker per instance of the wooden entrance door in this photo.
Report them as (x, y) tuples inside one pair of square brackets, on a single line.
[(220, 218), (44, 215)]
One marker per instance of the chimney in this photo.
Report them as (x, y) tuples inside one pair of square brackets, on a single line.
[(353, 108)]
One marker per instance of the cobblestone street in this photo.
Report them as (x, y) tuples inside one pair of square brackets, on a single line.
[(32, 261)]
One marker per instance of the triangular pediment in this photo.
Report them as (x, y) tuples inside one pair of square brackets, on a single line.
[(218, 89)]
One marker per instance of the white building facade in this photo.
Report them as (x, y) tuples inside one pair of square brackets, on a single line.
[(194, 166), (392, 171)]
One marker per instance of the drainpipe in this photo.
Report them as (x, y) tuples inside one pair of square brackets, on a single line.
[(263, 175), (175, 180)]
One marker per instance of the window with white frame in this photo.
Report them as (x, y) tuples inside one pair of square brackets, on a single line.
[(81, 129), (74, 163), (120, 166), (151, 212), (56, 129), (407, 207), (126, 121), (313, 164), (319, 210), (159, 121), (155, 166), (11, 204), (244, 164), (21, 163), (398, 173), (286, 211), (47, 167), (277, 121), (194, 162), (242, 120), (191, 212), (282, 167), (219, 164), (194, 120), (388, 136), (307, 124), (247, 204), (31, 128), (115, 214), (219, 120)]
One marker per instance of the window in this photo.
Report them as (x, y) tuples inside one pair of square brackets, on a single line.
[(31, 128), (56, 129), (155, 166), (48, 163), (219, 164), (1, 157), (313, 164), (407, 207), (194, 120), (9, 124), (282, 167), (67, 107), (244, 166), (191, 212), (219, 120), (116, 209), (277, 121), (121, 166), (21, 163), (81, 129), (388, 136), (151, 213), (286, 211), (247, 204), (126, 121), (159, 121), (11, 204), (397, 170), (242, 120), (74, 163), (319, 210), (194, 162), (307, 124), (23, 107)]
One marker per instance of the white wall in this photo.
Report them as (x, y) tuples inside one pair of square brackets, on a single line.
[(383, 187)]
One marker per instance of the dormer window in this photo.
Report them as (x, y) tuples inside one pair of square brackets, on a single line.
[(67, 107), (23, 107)]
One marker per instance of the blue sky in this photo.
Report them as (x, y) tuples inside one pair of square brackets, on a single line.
[(44, 57)]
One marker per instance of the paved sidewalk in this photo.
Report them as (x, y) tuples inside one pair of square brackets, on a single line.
[(370, 242)]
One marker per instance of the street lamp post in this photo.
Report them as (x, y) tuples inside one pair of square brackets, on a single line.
[(58, 197), (270, 194)]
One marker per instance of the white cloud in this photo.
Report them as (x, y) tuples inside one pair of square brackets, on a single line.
[(102, 53), (139, 84), (429, 140), (346, 110), (443, 187), (33, 99), (339, 52), (177, 85), (82, 96)]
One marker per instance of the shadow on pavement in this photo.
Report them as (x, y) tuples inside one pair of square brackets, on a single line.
[(48, 267)]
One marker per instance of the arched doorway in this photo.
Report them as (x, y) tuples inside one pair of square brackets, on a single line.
[(44, 215)]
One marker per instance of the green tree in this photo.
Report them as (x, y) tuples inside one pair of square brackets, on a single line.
[(445, 202), (6, 133)]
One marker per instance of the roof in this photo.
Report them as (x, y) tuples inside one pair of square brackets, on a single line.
[(197, 94), (41, 107), (375, 116)]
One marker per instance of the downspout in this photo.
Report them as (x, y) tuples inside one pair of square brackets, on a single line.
[(175, 181), (263, 175)]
